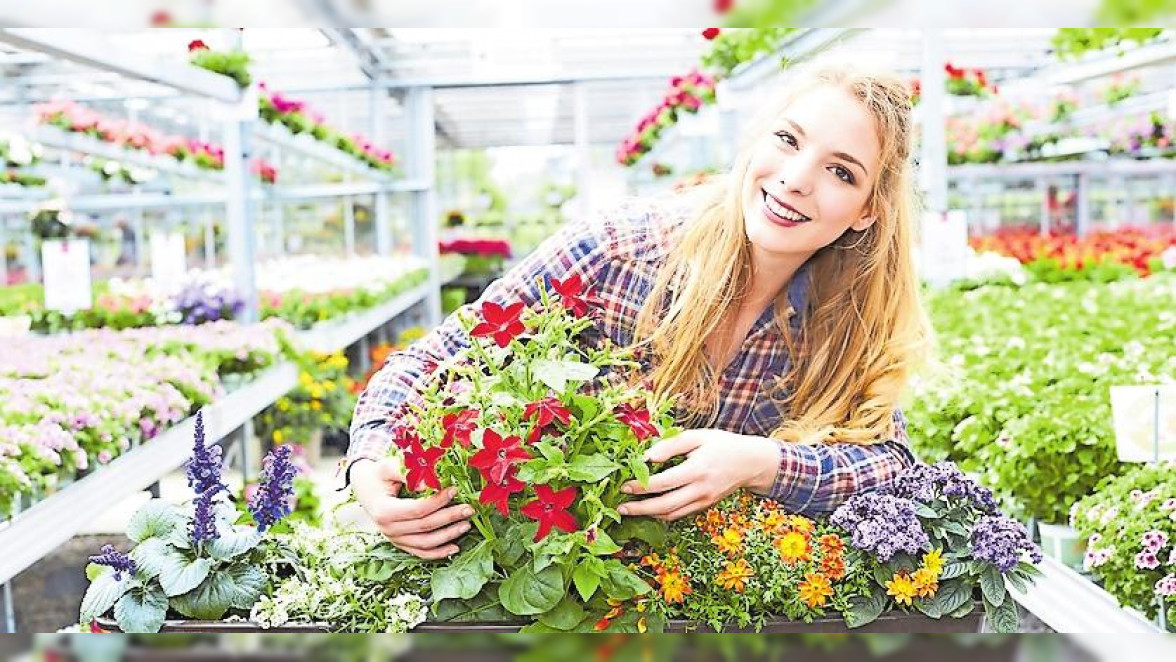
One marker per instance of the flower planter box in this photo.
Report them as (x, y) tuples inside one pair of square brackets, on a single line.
[(893, 622)]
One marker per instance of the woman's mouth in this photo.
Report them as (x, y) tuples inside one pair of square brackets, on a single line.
[(782, 213)]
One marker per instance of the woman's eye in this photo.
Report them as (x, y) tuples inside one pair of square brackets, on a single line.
[(843, 174), (787, 138)]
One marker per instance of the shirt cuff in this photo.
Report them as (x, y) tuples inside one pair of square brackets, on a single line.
[(798, 476)]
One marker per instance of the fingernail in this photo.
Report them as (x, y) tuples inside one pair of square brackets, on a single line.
[(627, 490), (623, 510), (452, 492), (463, 528), (467, 512)]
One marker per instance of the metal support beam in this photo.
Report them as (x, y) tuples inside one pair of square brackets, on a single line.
[(422, 154), (348, 225), (933, 161), (381, 207), (239, 215)]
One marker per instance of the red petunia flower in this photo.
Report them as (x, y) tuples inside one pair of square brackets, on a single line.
[(500, 323), (404, 437), (498, 492), (711, 33), (459, 427), (161, 19), (550, 509), (638, 421), (498, 455), (547, 410), (197, 45), (421, 466), (571, 292), (724, 6)]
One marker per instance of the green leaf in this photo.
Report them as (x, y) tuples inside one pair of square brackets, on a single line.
[(621, 583), (640, 470), (512, 545), (953, 570), (565, 616), (527, 593), (180, 575), (953, 595), (465, 576), (929, 608), (246, 585), (539, 628), (154, 519), (958, 529), (1003, 619), (864, 609), (963, 611), (585, 407), (925, 511), (993, 586), (233, 542), (151, 555), (603, 545), (209, 601), (141, 610), (557, 374), (550, 452), (586, 577), (94, 571), (646, 529), (591, 468), (102, 594)]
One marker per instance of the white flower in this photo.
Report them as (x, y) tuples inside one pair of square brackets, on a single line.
[(1168, 258), (19, 151), (1109, 516)]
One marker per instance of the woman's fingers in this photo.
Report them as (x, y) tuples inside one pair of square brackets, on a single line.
[(671, 478), (433, 539), (674, 446), (661, 506), (431, 522)]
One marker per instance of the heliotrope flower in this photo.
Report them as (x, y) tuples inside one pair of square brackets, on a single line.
[(274, 496), (420, 465), (815, 590), (501, 324), (550, 509), (1001, 541), (902, 589), (459, 427), (119, 562), (881, 524), (498, 493), (735, 576), (498, 455), (924, 483), (638, 420)]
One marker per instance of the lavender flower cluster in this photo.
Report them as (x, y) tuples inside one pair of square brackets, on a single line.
[(204, 477), (1001, 540), (203, 300), (925, 483), (121, 563), (272, 500), (882, 524)]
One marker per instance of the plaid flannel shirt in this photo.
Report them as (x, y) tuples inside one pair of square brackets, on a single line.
[(617, 254)]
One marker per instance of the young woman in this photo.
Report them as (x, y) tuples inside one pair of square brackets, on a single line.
[(779, 304)]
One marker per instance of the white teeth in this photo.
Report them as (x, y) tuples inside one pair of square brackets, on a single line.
[(787, 214)]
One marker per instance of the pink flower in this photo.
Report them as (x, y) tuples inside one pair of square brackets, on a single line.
[(104, 457), (1154, 540), (1168, 505), (1146, 560), (1166, 587)]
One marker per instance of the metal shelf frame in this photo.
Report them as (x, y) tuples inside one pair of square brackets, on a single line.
[(1069, 603)]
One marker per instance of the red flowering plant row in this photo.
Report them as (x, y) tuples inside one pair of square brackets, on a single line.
[(1104, 254), (534, 433), (687, 94)]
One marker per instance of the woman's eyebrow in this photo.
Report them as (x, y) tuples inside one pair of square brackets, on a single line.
[(841, 155)]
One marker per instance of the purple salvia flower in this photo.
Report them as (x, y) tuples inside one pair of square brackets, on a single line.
[(882, 524), (272, 500), (1001, 540), (203, 528), (204, 469), (121, 563)]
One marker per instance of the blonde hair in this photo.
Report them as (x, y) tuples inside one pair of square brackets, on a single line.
[(865, 332)]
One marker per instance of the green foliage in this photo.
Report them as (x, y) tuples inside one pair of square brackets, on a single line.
[(1075, 42), (234, 64), (734, 47)]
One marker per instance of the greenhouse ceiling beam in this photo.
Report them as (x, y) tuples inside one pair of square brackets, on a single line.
[(371, 61), (1145, 56), (525, 81), (95, 50)]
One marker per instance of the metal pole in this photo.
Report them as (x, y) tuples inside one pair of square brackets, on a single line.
[(1082, 192), (349, 226), (381, 207), (933, 164), (9, 616), (140, 241), (239, 214), (422, 155)]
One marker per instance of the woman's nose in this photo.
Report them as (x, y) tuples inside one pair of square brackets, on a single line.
[(797, 177)]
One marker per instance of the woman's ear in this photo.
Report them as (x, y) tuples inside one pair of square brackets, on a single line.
[(864, 223)]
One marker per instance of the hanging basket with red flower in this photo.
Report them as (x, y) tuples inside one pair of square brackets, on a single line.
[(537, 432)]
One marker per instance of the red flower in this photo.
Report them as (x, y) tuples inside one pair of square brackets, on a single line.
[(500, 323), (161, 19), (498, 492), (711, 33), (459, 427), (547, 410), (571, 292), (421, 466), (404, 437), (550, 509), (197, 45), (724, 6), (498, 455), (638, 421)]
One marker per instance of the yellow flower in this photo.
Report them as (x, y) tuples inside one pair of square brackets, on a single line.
[(278, 436), (316, 405), (771, 520), (800, 523), (305, 379), (675, 587), (815, 590), (283, 405), (902, 589), (642, 625), (926, 582), (316, 392), (933, 561), (735, 575), (793, 547), (730, 542), (329, 385)]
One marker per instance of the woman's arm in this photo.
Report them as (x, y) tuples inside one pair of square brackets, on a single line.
[(579, 248), (816, 479)]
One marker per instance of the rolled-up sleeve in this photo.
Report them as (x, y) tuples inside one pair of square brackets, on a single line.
[(580, 248), (814, 479)]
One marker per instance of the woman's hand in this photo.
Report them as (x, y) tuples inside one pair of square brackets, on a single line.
[(424, 527), (718, 463)]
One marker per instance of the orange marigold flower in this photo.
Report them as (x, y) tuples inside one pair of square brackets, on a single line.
[(834, 567), (675, 587), (926, 582), (771, 520), (735, 576), (793, 547), (831, 544), (801, 524), (730, 543), (815, 590)]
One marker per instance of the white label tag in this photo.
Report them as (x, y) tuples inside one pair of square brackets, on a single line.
[(168, 261), (1134, 409), (944, 248), (66, 268)]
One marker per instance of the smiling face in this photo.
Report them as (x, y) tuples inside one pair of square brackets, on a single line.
[(810, 175)]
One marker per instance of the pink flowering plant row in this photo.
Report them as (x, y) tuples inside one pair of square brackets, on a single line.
[(71, 404), (1130, 526), (687, 94), (297, 116), (196, 560)]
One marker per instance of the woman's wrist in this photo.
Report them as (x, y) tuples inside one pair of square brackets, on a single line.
[(764, 461)]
